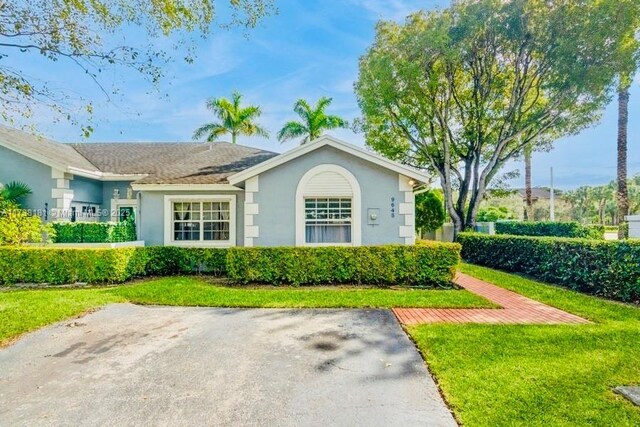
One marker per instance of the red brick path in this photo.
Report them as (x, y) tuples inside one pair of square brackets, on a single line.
[(516, 309)]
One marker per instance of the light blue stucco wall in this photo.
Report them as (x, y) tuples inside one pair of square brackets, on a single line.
[(86, 190), (151, 215), (277, 192), (16, 167), (109, 186)]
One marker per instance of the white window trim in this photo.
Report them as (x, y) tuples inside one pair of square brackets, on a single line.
[(169, 199), (356, 201)]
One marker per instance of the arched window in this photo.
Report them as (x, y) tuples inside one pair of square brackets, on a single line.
[(328, 208)]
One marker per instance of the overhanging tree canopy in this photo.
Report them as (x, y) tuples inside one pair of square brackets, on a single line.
[(90, 34), (463, 90)]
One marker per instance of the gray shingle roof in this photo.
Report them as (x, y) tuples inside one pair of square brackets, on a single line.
[(54, 152), (173, 163), (164, 163)]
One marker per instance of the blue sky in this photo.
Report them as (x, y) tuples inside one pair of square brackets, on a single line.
[(309, 49)]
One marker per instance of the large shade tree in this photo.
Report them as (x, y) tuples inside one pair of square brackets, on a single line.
[(463, 90), (98, 38), (313, 121), (233, 119)]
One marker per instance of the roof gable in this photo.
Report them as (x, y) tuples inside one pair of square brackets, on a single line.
[(43, 150), (338, 144)]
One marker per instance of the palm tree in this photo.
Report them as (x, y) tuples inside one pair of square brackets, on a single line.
[(13, 191), (622, 195), (528, 199), (314, 121), (233, 119)]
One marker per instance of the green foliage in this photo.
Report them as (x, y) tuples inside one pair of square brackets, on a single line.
[(171, 260), (95, 232), (598, 203), (550, 228), (494, 213), (233, 119), (14, 191), (603, 268), (431, 264), (463, 90), (59, 266), (430, 212), (18, 227), (314, 121)]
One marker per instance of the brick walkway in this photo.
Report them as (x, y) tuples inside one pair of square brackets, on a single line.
[(516, 309)]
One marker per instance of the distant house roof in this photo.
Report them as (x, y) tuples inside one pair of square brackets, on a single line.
[(536, 193), (146, 163)]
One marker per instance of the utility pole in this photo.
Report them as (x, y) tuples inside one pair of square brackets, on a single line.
[(552, 201)]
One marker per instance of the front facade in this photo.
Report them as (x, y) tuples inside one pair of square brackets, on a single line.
[(326, 192)]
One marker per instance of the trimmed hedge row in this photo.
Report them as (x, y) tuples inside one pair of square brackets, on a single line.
[(94, 232), (605, 268), (551, 229), (426, 264), (104, 266)]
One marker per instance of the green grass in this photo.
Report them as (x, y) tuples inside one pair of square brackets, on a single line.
[(189, 291), (496, 375), (25, 310)]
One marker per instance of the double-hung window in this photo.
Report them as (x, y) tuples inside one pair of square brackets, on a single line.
[(327, 220), (201, 221)]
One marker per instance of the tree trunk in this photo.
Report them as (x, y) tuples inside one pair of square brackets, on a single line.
[(622, 195), (528, 198)]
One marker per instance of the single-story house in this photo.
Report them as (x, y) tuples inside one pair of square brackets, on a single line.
[(326, 192)]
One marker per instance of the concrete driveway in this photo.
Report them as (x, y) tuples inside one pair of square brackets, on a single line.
[(157, 366)]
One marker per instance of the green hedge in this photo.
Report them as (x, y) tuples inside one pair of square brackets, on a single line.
[(426, 264), (551, 229), (606, 268), (104, 266), (422, 265), (94, 232)]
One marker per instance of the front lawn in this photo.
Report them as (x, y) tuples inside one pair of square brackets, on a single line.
[(538, 375), (25, 310)]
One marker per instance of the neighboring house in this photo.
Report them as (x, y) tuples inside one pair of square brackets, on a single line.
[(541, 198), (326, 192)]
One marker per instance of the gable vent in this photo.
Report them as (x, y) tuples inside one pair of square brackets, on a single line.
[(328, 183)]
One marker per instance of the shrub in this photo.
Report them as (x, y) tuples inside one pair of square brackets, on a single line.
[(99, 266), (18, 227), (95, 232), (430, 213), (549, 228), (494, 213), (431, 264), (171, 260), (605, 268)]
